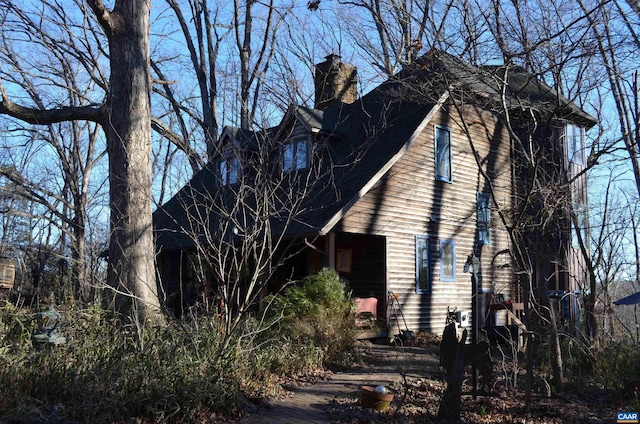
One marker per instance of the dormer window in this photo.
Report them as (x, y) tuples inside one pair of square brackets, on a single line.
[(228, 171), (295, 155), (575, 144)]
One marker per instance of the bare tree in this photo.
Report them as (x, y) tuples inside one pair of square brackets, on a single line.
[(124, 114), (611, 263), (227, 55), (203, 35), (74, 146), (255, 34), (240, 226), (616, 37), (615, 32), (392, 32)]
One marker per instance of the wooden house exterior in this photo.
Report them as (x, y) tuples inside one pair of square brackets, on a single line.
[(407, 205), (411, 183)]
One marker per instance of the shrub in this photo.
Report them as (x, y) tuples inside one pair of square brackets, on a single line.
[(108, 372), (618, 365), (320, 312), (103, 373)]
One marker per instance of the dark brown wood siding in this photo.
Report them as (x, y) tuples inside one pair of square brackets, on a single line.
[(576, 262)]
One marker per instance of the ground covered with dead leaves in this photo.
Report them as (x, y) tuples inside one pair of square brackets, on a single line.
[(420, 405), (417, 401)]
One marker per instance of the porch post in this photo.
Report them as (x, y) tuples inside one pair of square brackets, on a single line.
[(330, 249)]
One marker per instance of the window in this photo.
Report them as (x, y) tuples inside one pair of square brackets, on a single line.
[(423, 265), (484, 218), (295, 155), (447, 260), (228, 170), (582, 219), (443, 154), (575, 144)]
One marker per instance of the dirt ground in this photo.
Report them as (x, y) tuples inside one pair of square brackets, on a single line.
[(421, 381)]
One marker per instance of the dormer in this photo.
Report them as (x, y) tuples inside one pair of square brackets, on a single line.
[(234, 146)]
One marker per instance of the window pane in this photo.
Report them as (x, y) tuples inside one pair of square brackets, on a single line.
[(289, 155), (301, 154), (447, 260), (484, 219), (583, 226), (575, 144), (423, 281), (443, 154), (223, 172), (233, 171)]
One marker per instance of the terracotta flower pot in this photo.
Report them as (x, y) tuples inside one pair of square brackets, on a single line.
[(369, 398)]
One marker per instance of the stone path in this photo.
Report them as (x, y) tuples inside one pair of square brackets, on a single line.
[(308, 403)]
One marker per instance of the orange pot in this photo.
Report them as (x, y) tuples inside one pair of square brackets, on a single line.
[(369, 398)]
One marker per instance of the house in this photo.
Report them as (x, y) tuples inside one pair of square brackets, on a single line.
[(396, 189)]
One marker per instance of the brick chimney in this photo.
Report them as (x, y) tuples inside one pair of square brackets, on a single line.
[(335, 82)]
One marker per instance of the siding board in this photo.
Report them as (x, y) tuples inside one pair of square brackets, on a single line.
[(408, 201)]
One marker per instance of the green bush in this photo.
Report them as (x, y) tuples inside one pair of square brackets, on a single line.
[(319, 312)]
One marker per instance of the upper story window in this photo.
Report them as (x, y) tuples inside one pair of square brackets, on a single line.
[(295, 155), (582, 221), (423, 265), (443, 154), (484, 218), (447, 260), (575, 144), (228, 171)]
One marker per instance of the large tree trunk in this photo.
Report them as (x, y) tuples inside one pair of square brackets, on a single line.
[(126, 120), (128, 131)]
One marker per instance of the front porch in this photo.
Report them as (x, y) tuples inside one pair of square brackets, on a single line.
[(359, 259)]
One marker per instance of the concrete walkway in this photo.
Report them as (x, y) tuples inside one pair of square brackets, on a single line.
[(308, 404)]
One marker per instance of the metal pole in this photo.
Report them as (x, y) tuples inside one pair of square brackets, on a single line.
[(474, 330), (473, 265), (476, 317)]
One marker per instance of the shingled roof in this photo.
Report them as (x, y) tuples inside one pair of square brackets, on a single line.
[(503, 86), (363, 140), (365, 136)]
